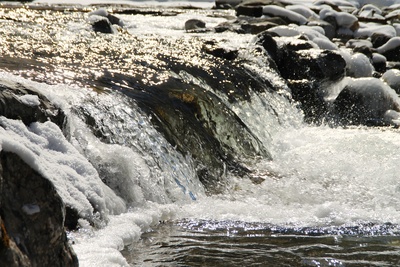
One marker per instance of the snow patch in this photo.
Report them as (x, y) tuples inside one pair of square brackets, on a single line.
[(44, 147), (272, 10), (30, 100), (343, 19)]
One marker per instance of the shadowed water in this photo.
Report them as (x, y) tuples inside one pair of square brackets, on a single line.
[(211, 243)]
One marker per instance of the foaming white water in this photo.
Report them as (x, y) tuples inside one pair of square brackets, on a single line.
[(102, 247), (140, 167), (319, 176)]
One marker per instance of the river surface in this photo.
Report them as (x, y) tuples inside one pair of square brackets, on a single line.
[(318, 196)]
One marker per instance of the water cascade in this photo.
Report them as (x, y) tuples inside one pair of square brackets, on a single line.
[(201, 140)]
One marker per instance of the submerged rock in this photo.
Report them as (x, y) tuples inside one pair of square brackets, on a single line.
[(196, 121), (32, 218)]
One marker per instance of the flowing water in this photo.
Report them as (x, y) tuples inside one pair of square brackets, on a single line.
[(277, 192)]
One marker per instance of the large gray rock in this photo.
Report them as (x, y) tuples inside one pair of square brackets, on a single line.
[(32, 218)]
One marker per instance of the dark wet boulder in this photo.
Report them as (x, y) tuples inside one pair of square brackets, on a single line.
[(258, 25), (232, 26), (310, 99), (379, 39), (198, 120), (21, 103), (103, 22), (298, 60), (212, 48), (249, 25), (193, 119), (379, 62), (254, 8), (306, 69), (391, 49), (192, 25), (251, 11), (364, 101), (114, 20), (32, 218)]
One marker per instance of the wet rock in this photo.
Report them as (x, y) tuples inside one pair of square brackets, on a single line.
[(306, 69), (232, 26), (225, 53), (329, 28), (252, 11), (32, 218), (346, 24), (391, 49), (258, 25), (364, 102), (197, 121), (379, 39), (227, 4), (379, 62), (194, 25), (103, 22), (311, 100), (249, 25), (22, 103)]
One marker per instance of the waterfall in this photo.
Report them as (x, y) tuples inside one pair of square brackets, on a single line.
[(198, 130)]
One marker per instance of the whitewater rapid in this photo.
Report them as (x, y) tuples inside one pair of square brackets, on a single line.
[(318, 176)]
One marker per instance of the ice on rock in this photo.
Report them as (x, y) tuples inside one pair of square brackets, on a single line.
[(392, 78), (99, 12), (343, 19), (396, 26), (334, 3), (366, 30), (390, 45), (353, 43), (30, 100), (371, 11), (392, 117), (303, 10), (285, 31), (44, 147), (313, 33), (272, 10), (359, 66)]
